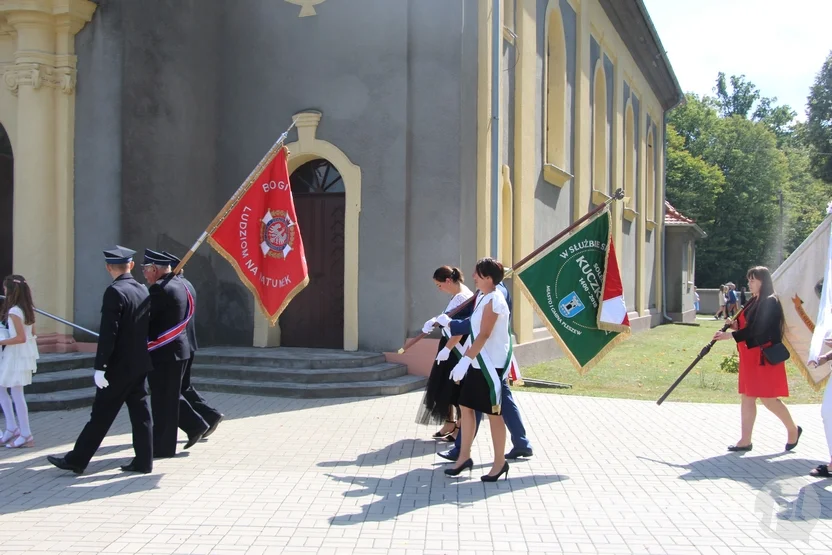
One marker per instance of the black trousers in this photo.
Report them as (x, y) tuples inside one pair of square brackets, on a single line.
[(105, 408), (165, 401), (209, 414)]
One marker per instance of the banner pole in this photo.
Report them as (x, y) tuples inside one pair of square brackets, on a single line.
[(235, 198), (618, 195), (705, 350)]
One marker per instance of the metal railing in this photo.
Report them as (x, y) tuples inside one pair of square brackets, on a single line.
[(61, 320)]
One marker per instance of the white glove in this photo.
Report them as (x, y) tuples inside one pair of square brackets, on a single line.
[(443, 355), (100, 381), (460, 369), (428, 327), (443, 320)]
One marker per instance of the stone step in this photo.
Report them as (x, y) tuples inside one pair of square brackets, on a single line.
[(394, 386), (287, 357), (61, 380), (264, 374), (58, 362), (60, 400)]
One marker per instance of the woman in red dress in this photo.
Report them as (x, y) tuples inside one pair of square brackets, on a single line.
[(758, 327)]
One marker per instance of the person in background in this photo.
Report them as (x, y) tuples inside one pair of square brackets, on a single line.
[(440, 399), (18, 361), (759, 327), (696, 300), (209, 414), (722, 297)]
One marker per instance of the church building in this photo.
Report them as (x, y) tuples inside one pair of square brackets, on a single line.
[(429, 132)]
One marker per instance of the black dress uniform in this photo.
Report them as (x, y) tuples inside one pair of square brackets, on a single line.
[(168, 309), (122, 355), (210, 415)]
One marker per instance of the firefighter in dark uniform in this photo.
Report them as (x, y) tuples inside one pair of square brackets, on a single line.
[(121, 366), (169, 352), (210, 415)]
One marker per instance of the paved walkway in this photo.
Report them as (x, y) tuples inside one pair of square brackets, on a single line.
[(358, 476)]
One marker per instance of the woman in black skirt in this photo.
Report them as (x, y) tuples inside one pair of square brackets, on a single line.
[(439, 402), (483, 367)]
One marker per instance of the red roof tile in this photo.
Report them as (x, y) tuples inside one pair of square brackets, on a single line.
[(673, 216)]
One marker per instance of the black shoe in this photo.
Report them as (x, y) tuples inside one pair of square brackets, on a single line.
[(490, 478), (213, 427), (132, 467), (743, 448), (518, 452), (790, 446), (192, 439), (449, 455), (61, 463), (467, 465)]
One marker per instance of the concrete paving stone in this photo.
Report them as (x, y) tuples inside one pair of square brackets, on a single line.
[(374, 484)]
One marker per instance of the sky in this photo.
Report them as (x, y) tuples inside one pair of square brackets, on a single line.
[(779, 46)]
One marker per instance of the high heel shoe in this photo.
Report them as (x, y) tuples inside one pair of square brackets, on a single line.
[(490, 478), (10, 435), (467, 465), (790, 446), (21, 441), (442, 435)]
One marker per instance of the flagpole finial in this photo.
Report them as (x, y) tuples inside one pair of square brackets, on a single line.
[(619, 194)]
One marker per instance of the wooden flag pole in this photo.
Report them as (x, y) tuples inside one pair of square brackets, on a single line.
[(238, 194), (618, 195)]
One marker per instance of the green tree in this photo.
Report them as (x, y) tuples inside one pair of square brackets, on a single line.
[(819, 122), (693, 185), (806, 198), (747, 211), (739, 100)]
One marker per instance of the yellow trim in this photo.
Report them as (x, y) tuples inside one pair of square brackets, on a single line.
[(555, 175), (309, 147), (38, 46), (525, 146), (600, 139), (599, 197), (582, 185), (506, 224), (484, 128), (554, 105)]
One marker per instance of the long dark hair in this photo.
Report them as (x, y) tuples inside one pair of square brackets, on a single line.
[(19, 294), (444, 273), (763, 274)]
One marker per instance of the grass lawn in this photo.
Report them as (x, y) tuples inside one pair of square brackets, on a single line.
[(646, 364)]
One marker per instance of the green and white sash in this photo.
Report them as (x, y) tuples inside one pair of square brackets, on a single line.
[(492, 377), (460, 348)]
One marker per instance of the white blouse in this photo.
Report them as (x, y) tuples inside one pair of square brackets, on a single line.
[(463, 295), (497, 345)]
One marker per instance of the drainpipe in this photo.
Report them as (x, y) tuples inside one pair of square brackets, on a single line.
[(496, 43)]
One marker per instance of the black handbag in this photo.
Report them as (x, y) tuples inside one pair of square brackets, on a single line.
[(776, 354)]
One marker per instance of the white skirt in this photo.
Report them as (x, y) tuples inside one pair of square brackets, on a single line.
[(18, 363)]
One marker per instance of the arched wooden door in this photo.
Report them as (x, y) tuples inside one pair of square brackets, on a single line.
[(6, 204), (315, 318)]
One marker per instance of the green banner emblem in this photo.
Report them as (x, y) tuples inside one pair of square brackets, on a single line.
[(566, 282)]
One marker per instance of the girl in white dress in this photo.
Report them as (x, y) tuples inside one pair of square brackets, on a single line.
[(18, 361)]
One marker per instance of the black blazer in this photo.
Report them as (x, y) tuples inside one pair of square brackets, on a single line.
[(191, 329), (125, 319), (764, 324), (168, 307)]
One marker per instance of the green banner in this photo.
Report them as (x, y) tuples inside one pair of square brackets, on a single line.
[(565, 283)]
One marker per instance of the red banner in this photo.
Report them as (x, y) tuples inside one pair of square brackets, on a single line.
[(260, 237)]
